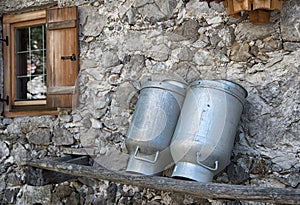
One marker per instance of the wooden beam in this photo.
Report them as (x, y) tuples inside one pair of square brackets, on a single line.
[(196, 189), (39, 177)]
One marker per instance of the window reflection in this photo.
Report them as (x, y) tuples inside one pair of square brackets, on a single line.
[(31, 63)]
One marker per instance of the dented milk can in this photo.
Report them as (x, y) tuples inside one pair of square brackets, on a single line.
[(152, 126), (203, 140)]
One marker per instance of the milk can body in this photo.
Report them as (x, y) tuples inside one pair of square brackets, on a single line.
[(152, 126), (202, 142)]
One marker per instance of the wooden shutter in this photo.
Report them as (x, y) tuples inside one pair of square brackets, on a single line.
[(62, 55)]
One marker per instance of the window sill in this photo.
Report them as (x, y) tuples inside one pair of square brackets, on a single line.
[(24, 111)]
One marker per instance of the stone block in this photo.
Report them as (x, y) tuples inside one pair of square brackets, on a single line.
[(290, 23)]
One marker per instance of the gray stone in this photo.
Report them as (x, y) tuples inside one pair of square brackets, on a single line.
[(130, 16), (215, 20), (96, 124), (183, 54), (196, 8), (237, 173), (109, 59), (260, 166), (187, 31), (2, 183), (133, 69), (4, 151), (62, 136), (204, 58), (227, 36), (114, 79), (13, 180), (112, 193), (135, 41), (91, 22), (73, 199), (290, 24), (118, 164), (151, 12), (19, 154), (189, 70), (159, 52), (39, 136), (88, 137), (292, 179), (240, 52), (126, 95), (167, 7), (62, 191), (142, 3), (250, 32), (291, 46), (9, 195), (35, 194)]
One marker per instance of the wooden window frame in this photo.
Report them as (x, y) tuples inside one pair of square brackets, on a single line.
[(61, 96)]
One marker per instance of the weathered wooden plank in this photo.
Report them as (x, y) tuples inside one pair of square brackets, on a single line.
[(24, 17), (39, 177), (58, 90), (78, 151), (61, 42), (196, 189), (62, 24)]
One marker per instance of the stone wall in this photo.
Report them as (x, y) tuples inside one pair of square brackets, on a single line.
[(124, 43)]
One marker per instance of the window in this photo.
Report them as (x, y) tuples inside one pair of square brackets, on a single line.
[(30, 59), (40, 61)]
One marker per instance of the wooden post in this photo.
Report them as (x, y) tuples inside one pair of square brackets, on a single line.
[(258, 10)]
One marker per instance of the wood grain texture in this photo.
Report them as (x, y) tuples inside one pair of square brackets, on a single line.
[(61, 41), (196, 189)]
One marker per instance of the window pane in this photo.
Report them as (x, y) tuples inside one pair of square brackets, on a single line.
[(31, 63)]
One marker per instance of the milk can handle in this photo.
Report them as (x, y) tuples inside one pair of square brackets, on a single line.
[(143, 159), (207, 167)]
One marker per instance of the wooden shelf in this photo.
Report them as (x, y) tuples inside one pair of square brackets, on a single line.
[(195, 189)]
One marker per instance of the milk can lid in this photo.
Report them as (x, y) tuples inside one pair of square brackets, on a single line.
[(169, 85)]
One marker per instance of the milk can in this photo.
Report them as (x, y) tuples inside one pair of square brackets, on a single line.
[(203, 140), (152, 126)]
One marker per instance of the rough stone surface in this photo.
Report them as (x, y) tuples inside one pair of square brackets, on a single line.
[(290, 26), (124, 43), (62, 137), (39, 136), (4, 151)]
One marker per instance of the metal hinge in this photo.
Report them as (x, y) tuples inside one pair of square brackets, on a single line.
[(4, 99), (5, 40)]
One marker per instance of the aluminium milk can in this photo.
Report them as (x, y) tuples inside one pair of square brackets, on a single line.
[(152, 126), (203, 140)]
